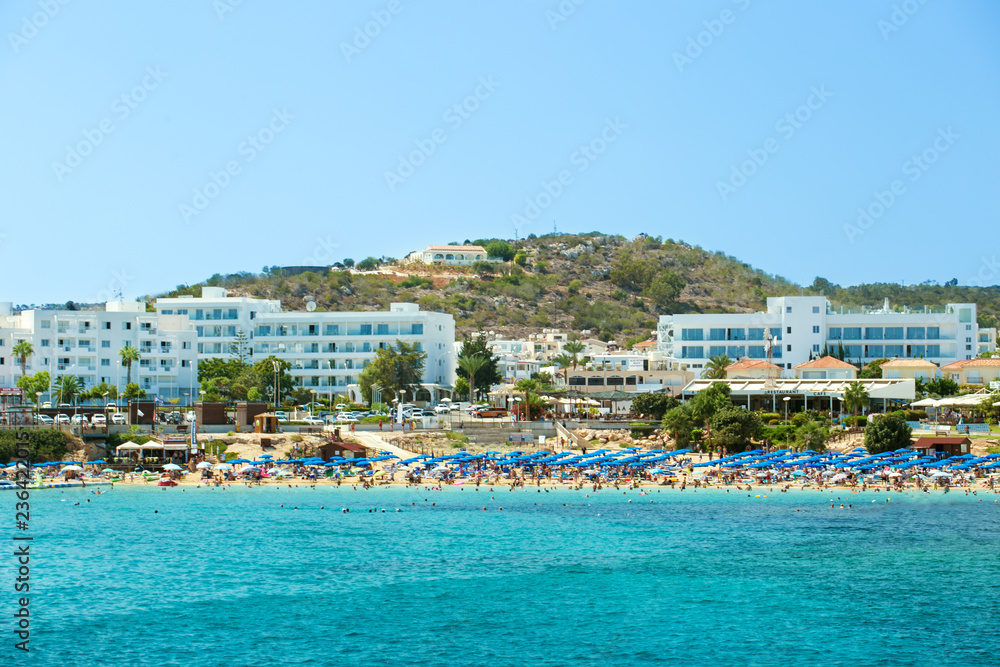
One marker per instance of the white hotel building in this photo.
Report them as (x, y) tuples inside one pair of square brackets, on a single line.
[(326, 350), (85, 343), (801, 327)]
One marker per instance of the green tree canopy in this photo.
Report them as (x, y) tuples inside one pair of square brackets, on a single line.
[(22, 350), (656, 405), (715, 369), (664, 290), (887, 433), (679, 422), (733, 428), (872, 370), (66, 388), (487, 375), (128, 355), (500, 250), (855, 397), (394, 368), (34, 384), (707, 402)]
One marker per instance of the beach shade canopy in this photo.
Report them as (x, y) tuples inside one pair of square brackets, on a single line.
[(203, 465), (266, 456), (172, 466), (72, 468), (128, 447), (924, 403), (222, 466), (109, 470), (97, 462)]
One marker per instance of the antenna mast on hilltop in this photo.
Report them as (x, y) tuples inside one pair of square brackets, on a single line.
[(554, 232)]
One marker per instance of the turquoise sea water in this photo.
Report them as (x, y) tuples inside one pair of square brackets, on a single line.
[(149, 576)]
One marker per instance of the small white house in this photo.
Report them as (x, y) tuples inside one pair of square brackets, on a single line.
[(450, 255)]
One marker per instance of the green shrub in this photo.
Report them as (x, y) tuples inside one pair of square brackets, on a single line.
[(696, 434), (773, 422), (574, 286), (44, 445), (641, 430), (799, 418), (766, 417)]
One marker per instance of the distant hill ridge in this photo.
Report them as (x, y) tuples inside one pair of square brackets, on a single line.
[(615, 287)]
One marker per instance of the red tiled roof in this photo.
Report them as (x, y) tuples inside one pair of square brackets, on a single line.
[(454, 248), (826, 362), (752, 364), (974, 363), (909, 363)]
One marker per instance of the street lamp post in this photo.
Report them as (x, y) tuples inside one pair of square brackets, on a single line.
[(312, 405), (402, 398), (38, 405)]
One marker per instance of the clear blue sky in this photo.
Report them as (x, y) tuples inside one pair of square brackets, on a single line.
[(680, 120)]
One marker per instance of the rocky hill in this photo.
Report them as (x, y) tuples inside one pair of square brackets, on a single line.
[(612, 286)]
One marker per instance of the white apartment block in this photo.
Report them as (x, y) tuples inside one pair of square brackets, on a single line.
[(797, 328), (327, 351), (85, 343), (218, 317)]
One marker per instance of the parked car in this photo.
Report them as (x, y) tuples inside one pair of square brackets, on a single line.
[(113, 407), (472, 408), (45, 419), (190, 416), (99, 420), (345, 418), (340, 407), (78, 420), (62, 419), (490, 412), (282, 416), (118, 418), (314, 421), (443, 409)]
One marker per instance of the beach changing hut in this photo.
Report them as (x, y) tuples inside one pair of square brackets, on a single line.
[(952, 446)]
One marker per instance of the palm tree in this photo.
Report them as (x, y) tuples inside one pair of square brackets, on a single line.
[(574, 348), (715, 369), (66, 387), (472, 365), (22, 350), (527, 386), (855, 398), (564, 361), (128, 355)]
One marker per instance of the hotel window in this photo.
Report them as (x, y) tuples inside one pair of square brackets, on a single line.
[(127, 326), (834, 333), (737, 334), (755, 334), (815, 310), (105, 343), (788, 330), (736, 351), (815, 348), (873, 351), (933, 333), (894, 333), (382, 330), (915, 333), (44, 342), (815, 331), (332, 330), (692, 334), (788, 348), (716, 350), (852, 333), (776, 333), (366, 330), (106, 325), (107, 362), (788, 309), (717, 334), (873, 333), (933, 350), (167, 311), (893, 350), (756, 352), (917, 351), (231, 314), (185, 363), (48, 325), (693, 352), (852, 351), (417, 329)]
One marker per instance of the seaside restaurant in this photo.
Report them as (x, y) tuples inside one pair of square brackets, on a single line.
[(798, 394)]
